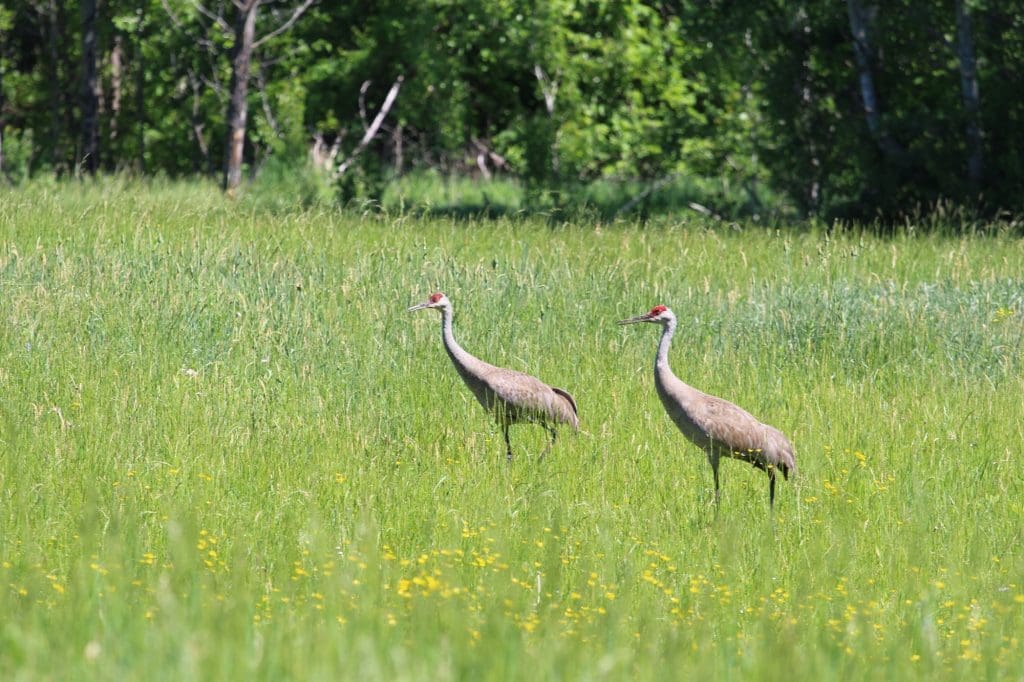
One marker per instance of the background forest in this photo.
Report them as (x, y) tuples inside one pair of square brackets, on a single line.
[(779, 108)]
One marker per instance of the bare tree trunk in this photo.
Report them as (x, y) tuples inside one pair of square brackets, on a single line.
[(238, 107), (116, 83), (244, 30), (862, 53), (90, 99), (970, 94), (549, 88), (802, 40), (869, 96)]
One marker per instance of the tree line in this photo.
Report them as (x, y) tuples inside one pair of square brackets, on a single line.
[(855, 108)]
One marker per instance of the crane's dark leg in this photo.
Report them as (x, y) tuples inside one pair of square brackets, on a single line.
[(714, 470), (508, 444), (554, 436), (771, 488)]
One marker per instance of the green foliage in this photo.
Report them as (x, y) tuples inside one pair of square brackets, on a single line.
[(816, 142), (17, 147), (760, 95), (632, 109)]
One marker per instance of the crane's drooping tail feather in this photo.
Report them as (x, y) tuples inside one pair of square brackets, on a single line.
[(788, 463), (573, 417)]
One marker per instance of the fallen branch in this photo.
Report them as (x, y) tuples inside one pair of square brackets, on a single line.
[(371, 132), (704, 210)]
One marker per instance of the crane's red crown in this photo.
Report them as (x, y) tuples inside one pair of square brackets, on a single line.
[(434, 298), (657, 310)]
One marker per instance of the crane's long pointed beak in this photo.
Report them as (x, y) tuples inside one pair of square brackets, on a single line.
[(418, 306), (634, 320)]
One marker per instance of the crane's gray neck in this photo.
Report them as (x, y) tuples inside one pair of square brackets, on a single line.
[(673, 391), (661, 359), (455, 351)]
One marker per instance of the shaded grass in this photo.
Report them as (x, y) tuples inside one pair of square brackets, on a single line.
[(228, 451), (431, 194)]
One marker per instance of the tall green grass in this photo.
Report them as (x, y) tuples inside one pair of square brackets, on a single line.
[(227, 451)]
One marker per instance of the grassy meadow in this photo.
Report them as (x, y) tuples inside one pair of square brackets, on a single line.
[(227, 451)]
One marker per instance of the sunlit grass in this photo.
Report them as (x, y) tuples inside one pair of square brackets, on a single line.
[(227, 451)]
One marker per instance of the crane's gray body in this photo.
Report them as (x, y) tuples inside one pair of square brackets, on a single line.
[(720, 428), (512, 397)]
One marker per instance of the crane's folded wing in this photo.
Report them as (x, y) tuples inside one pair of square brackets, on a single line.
[(531, 397)]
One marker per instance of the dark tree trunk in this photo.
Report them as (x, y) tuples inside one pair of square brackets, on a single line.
[(238, 108), (90, 99), (56, 104), (970, 94), (3, 167), (200, 160), (396, 136), (140, 90)]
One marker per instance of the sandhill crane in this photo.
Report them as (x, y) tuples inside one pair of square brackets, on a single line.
[(717, 426), (511, 396)]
